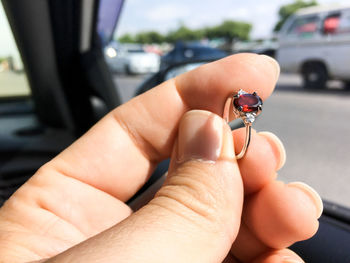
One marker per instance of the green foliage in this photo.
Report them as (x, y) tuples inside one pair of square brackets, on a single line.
[(126, 38), (287, 10), (185, 34), (149, 37), (228, 29)]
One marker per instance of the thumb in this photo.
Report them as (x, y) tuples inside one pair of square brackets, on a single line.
[(204, 185), (196, 214)]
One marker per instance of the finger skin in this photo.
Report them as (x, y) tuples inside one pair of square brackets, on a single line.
[(63, 188), (281, 215), (124, 131), (258, 168), (265, 153), (260, 162), (279, 256), (47, 216), (247, 246), (146, 126), (274, 218), (194, 217), (272, 256), (117, 155)]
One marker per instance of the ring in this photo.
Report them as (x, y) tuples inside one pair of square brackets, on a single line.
[(247, 107)]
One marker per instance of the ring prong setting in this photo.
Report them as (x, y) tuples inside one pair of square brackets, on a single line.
[(247, 106)]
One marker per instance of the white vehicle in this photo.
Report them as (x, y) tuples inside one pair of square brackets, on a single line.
[(131, 59), (316, 43)]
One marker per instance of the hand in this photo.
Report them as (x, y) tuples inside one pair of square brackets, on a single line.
[(211, 207)]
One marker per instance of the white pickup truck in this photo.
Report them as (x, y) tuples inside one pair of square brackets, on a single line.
[(316, 43)]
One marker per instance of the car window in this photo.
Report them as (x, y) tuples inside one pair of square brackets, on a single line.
[(13, 80), (304, 27), (344, 23), (214, 52), (202, 53), (191, 53), (331, 24)]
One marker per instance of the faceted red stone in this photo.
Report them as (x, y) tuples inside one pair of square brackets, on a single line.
[(247, 102)]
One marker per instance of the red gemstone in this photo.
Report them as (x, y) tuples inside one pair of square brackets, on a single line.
[(247, 102)]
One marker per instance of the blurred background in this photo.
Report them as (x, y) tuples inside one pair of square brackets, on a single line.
[(310, 107)]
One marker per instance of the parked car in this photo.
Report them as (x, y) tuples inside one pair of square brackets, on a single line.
[(187, 52), (316, 43), (262, 46), (131, 59)]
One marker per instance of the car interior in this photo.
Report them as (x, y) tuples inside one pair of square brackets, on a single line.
[(71, 88)]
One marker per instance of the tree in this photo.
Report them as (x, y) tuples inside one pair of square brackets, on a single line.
[(149, 37), (184, 33), (286, 11), (126, 38), (230, 30)]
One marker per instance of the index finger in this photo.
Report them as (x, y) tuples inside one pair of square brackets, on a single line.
[(119, 153)]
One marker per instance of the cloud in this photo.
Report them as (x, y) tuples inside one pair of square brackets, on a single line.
[(167, 12), (262, 17), (241, 13)]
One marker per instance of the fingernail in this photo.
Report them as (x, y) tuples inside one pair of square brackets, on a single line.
[(281, 150), (312, 194), (274, 63), (201, 136), (291, 260)]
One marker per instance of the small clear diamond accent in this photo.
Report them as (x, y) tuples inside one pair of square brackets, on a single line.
[(249, 117), (241, 92)]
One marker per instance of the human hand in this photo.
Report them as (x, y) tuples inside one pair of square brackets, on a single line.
[(198, 215)]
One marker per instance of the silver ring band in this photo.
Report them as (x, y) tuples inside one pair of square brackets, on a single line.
[(248, 132)]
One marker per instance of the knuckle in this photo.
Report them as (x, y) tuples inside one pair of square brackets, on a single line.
[(195, 192)]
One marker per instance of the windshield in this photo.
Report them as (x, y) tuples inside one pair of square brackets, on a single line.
[(310, 105), (13, 80)]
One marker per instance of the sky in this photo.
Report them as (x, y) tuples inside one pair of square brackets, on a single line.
[(165, 15), (7, 43)]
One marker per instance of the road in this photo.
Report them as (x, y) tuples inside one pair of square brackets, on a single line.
[(314, 128)]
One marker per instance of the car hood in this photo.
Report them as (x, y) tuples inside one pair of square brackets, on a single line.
[(143, 56)]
